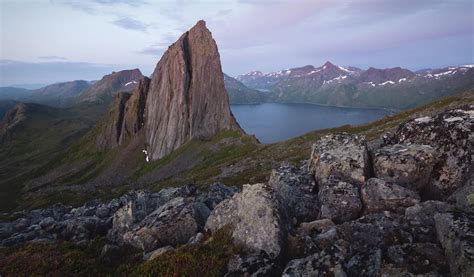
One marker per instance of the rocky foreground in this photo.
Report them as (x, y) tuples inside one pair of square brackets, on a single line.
[(400, 206)]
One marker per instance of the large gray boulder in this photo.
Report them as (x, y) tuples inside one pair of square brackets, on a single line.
[(419, 219), (451, 134), (342, 155), (456, 234), (379, 195), (339, 200), (173, 223), (295, 189), (409, 165), (253, 218), (136, 205)]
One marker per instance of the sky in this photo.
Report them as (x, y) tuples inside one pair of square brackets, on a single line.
[(47, 41)]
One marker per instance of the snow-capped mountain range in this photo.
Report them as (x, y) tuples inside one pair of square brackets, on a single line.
[(351, 86)]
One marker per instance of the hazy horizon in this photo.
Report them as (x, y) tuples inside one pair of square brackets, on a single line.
[(56, 44)]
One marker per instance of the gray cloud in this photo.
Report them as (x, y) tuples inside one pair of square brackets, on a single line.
[(156, 49), (131, 24)]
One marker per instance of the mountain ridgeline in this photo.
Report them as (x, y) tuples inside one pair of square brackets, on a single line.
[(330, 84)]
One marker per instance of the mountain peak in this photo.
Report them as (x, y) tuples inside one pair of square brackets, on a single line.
[(328, 64), (187, 98)]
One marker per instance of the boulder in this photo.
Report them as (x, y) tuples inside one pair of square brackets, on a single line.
[(339, 200), (451, 134), (318, 264), (253, 218), (255, 264), (417, 258), (379, 195), (295, 189), (463, 199), (216, 193), (419, 219), (136, 205), (109, 253), (342, 155), (408, 165), (173, 223), (366, 237), (456, 234)]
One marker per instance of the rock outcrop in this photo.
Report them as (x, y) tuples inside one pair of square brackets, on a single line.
[(378, 195), (408, 165), (184, 99), (451, 134), (187, 98), (253, 218), (341, 155)]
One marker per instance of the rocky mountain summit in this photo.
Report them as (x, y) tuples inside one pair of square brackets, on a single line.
[(184, 99), (401, 205)]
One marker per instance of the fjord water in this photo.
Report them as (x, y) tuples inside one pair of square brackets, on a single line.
[(273, 122)]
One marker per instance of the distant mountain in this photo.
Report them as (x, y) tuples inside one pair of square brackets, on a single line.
[(240, 94), (109, 85), (330, 84), (59, 94), (13, 93)]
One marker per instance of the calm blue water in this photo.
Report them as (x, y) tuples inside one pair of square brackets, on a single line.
[(272, 122)]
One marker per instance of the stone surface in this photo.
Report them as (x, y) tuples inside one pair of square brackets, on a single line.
[(456, 234), (417, 258), (339, 200), (451, 134), (256, 264), (408, 165), (379, 195), (187, 98), (342, 155), (463, 199), (253, 218), (296, 190), (173, 223), (419, 219), (318, 264)]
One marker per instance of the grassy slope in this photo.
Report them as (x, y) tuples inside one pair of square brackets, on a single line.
[(45, 134), (229, 158)]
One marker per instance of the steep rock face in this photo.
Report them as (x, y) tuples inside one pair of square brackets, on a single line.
[(187, 98), (125, 117), (134, 117), (112, 125), (12, 117)]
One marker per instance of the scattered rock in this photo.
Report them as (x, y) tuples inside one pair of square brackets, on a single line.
[(456, 234), (318, 264), (378, 195), (409, 165), (217, 193), (418, 258), (419, 219), (171, 224), (253, 218), (339, 200), (295, 189), (256, 264), (342, 155)]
